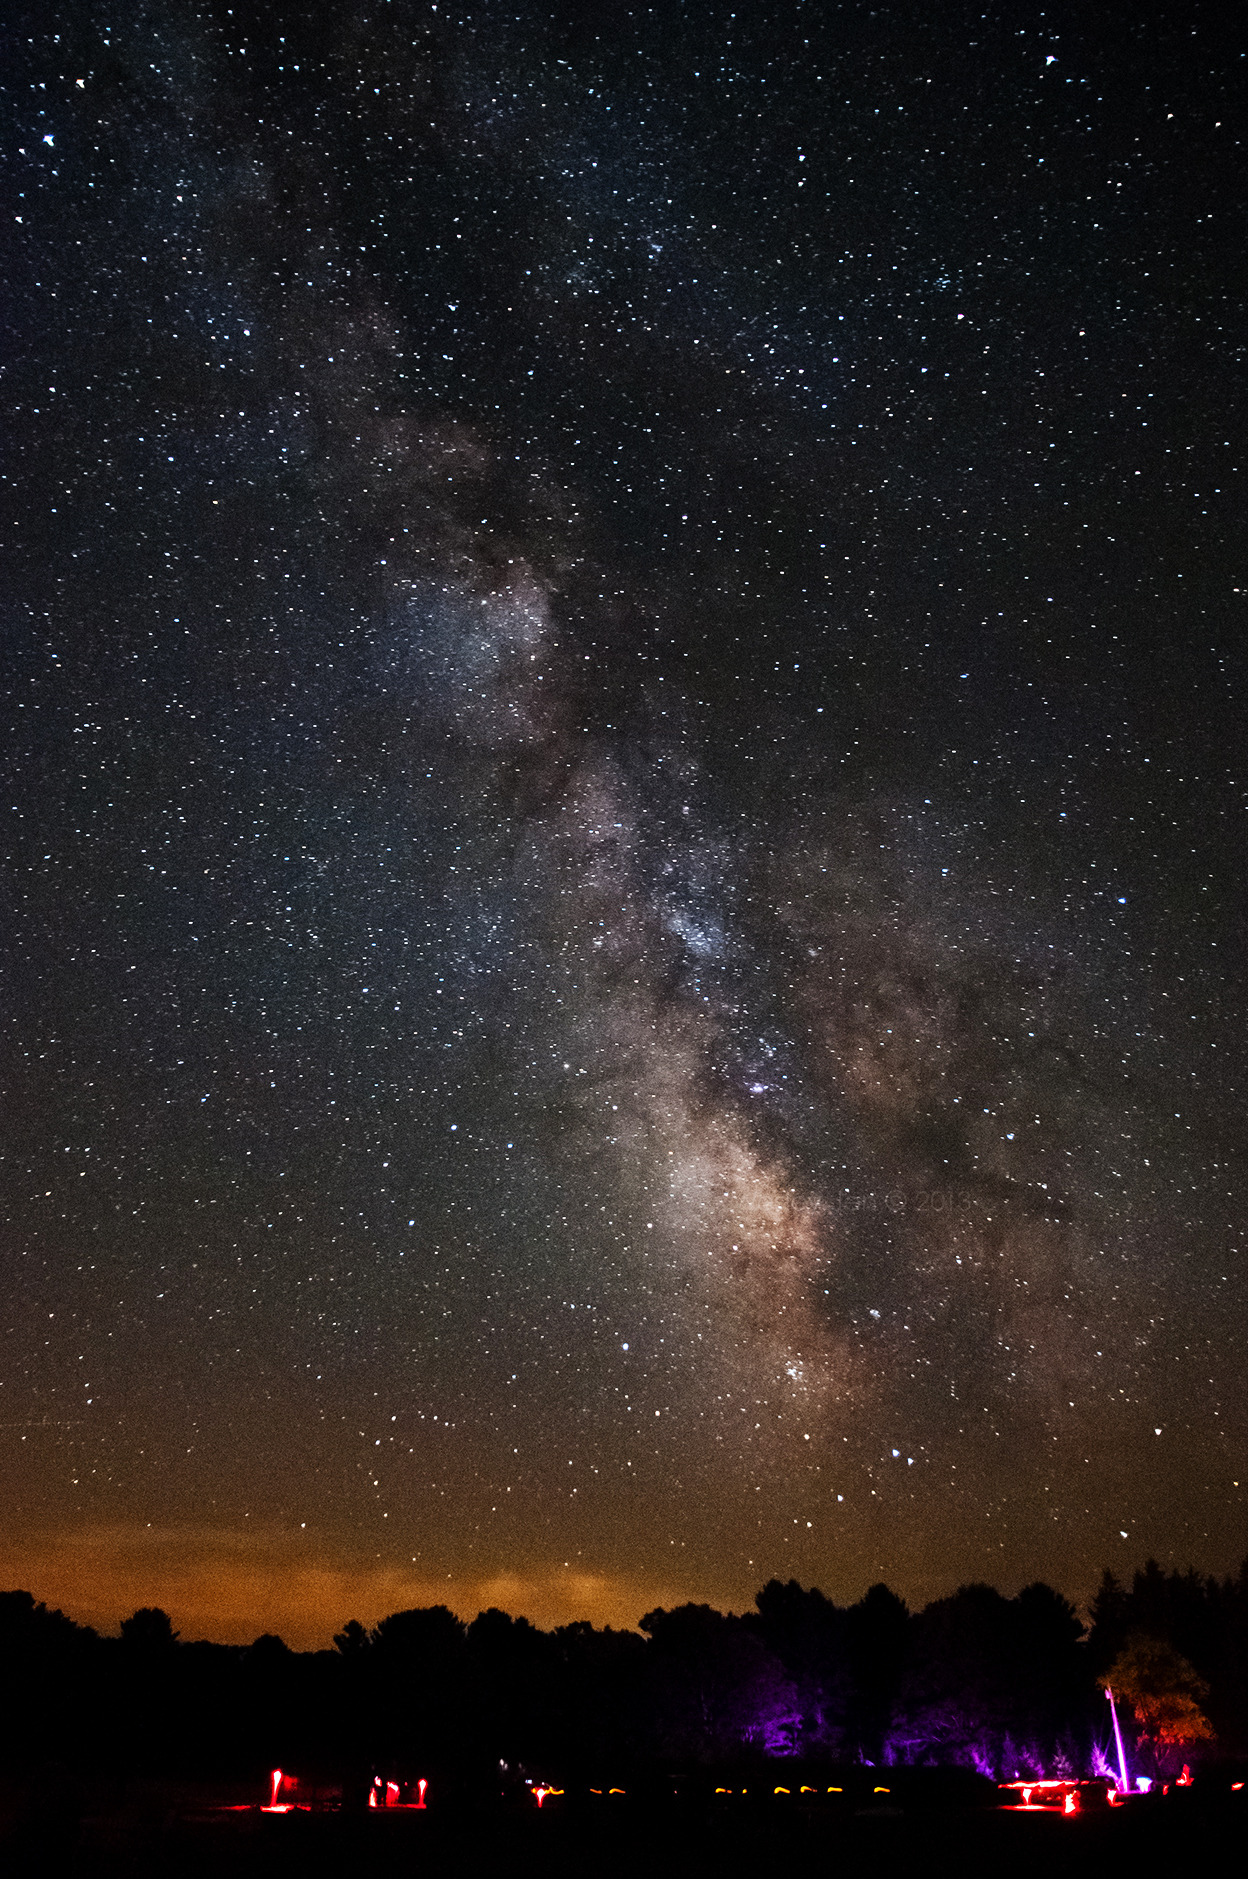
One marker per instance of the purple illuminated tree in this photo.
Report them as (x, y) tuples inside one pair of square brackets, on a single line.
[(719, 1691), (809, 1635)]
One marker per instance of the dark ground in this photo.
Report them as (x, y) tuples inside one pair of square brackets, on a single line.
[(148, 1835)]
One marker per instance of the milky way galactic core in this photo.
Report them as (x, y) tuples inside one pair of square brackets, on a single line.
[(622, 647)]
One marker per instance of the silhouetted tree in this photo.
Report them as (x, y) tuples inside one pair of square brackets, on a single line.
[(149, 1689), (957, 1692), (607, 1713), (1204, 1620), (513, 1672), (52, 1677), (810, 1637), (353, 1640), (1007, 1684), (994, 1683), (718, 1688), (418, 1668), (878, 1630), (148, 1632)]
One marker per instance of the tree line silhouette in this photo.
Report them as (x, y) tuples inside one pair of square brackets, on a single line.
[(1006, 1686)]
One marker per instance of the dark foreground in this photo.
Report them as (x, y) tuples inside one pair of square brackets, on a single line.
[(153, 1835)]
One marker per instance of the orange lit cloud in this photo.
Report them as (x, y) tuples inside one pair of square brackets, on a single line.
[(231, 1588)]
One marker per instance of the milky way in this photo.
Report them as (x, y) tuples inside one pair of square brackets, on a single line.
[(626, 799)]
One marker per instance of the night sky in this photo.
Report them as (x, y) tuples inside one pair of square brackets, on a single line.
[(623, 658)]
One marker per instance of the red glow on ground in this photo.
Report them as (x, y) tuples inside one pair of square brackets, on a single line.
[(1048, 1796), (389, 1794), (278, 1780)]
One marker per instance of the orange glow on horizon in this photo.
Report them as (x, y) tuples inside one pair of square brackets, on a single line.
[(229, 1587)]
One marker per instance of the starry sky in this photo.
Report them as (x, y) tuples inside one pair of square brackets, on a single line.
[(624, 776)]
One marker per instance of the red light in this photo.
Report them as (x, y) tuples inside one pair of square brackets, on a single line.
[(1071, 1804), (420, 1789), (273, 1805)]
